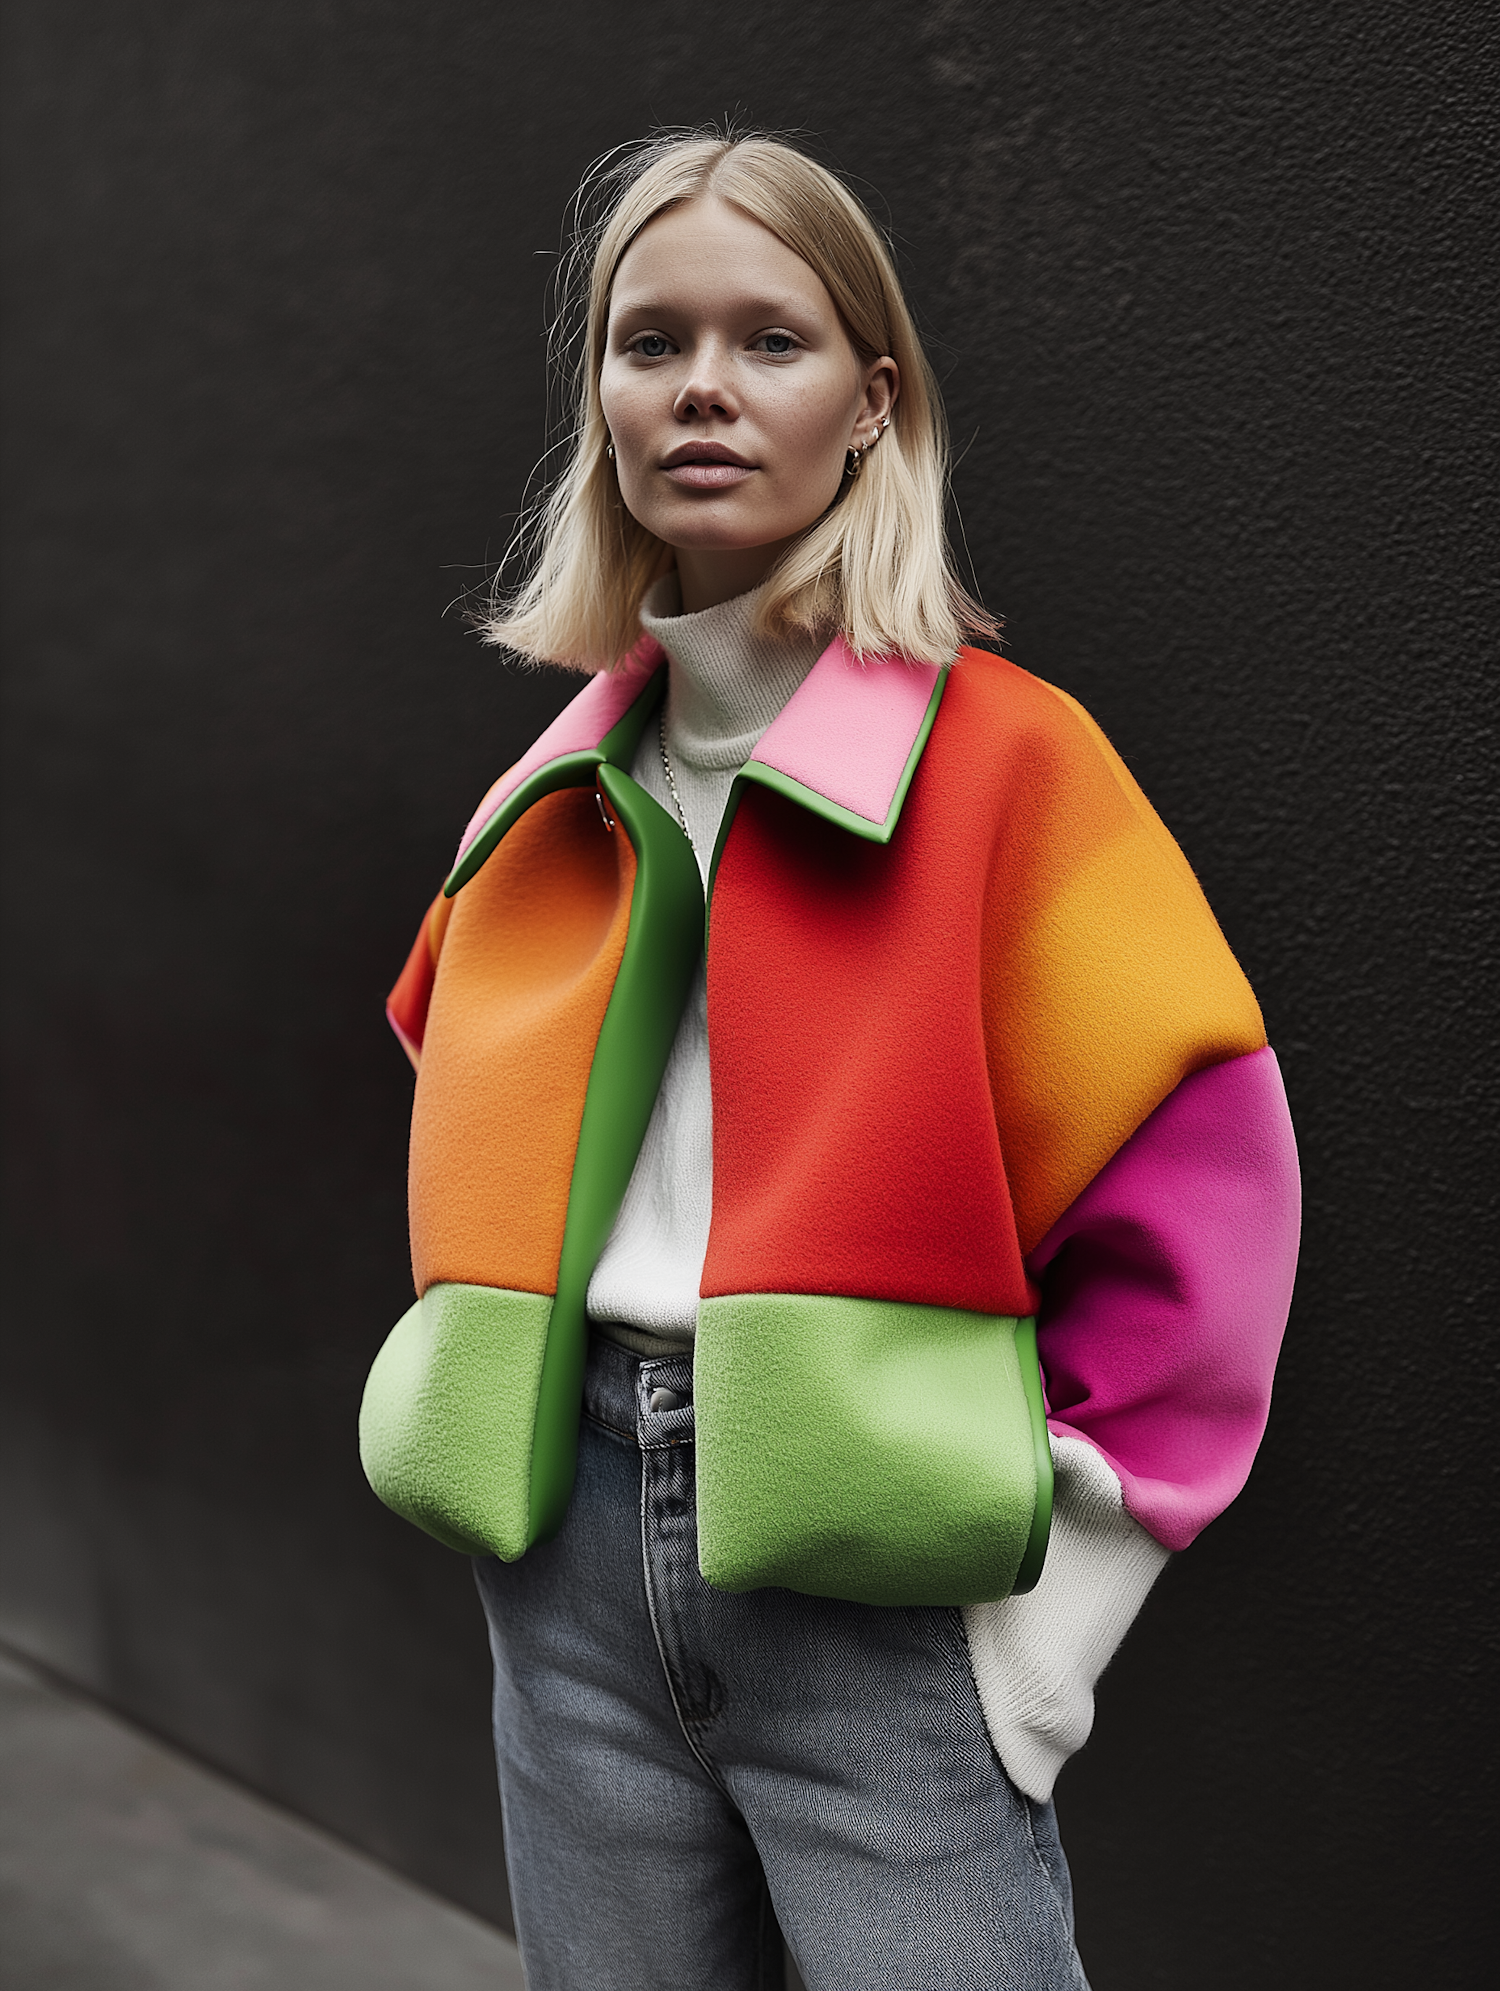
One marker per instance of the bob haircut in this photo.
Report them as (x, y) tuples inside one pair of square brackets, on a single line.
[(876, 567)]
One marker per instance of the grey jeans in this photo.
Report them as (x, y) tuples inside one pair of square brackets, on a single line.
[(681, 1769)]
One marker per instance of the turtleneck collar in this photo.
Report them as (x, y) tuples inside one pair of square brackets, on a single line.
[(725, 684)]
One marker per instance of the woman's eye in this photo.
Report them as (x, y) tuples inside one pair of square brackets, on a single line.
[(777, 344), (651, 345)]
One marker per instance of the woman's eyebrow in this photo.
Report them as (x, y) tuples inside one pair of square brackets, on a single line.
[(755, 307)]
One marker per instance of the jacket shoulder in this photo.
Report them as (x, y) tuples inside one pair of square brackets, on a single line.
[(994, 692), (1016, 729), (1107, 979)]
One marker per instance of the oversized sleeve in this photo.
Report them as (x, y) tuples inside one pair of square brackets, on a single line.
[(1145, 1131), (1165, 1290)]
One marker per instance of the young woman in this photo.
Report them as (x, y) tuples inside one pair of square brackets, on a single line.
[(746, 1245)]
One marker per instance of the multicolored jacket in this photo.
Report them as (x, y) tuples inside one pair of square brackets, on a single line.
[(979, 1054)]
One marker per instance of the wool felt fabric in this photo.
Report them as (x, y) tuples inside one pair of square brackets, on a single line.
[(468, 1362), (1167, 1282), (874, 735), (526, 976)]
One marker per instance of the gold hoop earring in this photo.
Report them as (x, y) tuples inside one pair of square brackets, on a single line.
[(609, 451), (854, 461)]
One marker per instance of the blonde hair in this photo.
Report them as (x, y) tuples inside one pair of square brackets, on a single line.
[(876, 565)]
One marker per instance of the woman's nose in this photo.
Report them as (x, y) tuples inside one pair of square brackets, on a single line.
[(706, 392)]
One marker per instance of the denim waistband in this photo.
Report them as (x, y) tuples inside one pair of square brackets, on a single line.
[(647, 1398)]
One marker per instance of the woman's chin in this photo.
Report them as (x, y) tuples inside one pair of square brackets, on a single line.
[(710, 528)]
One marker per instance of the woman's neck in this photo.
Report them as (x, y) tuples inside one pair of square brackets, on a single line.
[(711, 575)]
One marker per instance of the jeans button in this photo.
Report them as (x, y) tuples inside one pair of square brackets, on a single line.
[(666, 1400)]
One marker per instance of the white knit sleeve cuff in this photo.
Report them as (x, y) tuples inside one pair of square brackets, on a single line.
[(1036, 1658)]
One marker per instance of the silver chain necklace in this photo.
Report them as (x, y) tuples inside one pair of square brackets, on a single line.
[(666, 768)]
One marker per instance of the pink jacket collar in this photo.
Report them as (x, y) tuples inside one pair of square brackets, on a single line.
[(845, 746)]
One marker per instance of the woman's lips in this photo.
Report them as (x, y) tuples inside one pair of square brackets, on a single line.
[(703, 476)]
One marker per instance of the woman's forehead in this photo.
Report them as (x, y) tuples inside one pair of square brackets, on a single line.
[(709, 253)]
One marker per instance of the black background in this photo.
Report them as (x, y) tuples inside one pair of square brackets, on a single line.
[(1212, 290)]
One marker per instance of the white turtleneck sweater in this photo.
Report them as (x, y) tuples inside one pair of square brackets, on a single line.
[(1036, 1658)]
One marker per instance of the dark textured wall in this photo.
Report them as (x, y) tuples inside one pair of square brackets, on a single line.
[(1209, 286)]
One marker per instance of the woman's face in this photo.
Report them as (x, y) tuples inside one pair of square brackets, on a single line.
[(732, 394)]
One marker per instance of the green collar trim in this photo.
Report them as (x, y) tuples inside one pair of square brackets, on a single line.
[(618, 749), (574, 770), (818, 804)]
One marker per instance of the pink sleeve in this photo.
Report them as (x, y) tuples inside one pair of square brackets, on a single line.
[(1165, 1291)]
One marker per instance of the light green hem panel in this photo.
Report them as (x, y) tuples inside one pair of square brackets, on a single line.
[(883, 1452), (449, 1414)]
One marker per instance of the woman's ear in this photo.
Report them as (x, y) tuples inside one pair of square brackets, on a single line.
[(882, 386)]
